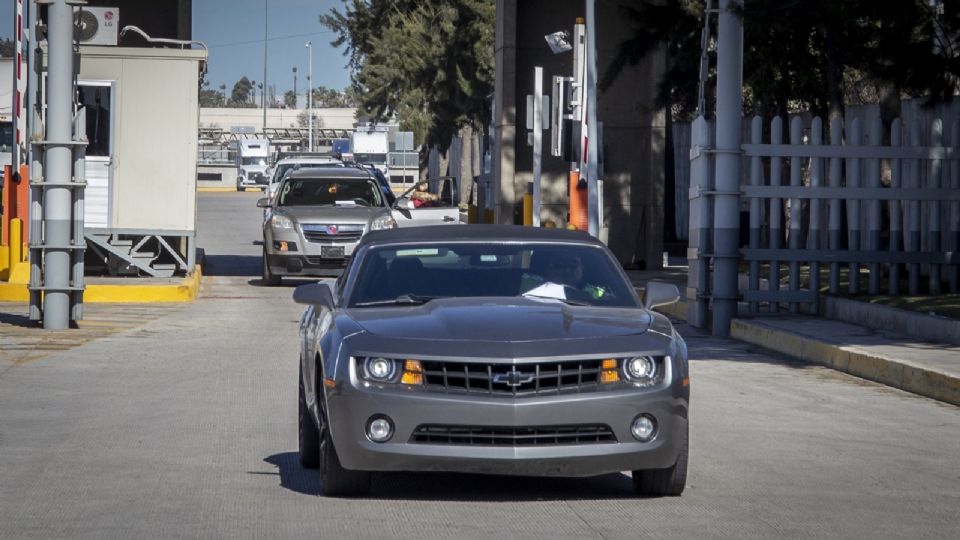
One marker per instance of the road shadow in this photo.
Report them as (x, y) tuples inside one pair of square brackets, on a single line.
[(293, 476), (462, 487), (231, 265), (16, 319), (287, 282)]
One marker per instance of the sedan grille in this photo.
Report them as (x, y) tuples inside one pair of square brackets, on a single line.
[(512, 380), (513, 436), (332, 233)]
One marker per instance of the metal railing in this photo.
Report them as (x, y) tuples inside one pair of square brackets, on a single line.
[(884, 218)]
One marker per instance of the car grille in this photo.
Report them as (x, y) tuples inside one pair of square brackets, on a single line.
[(513, 436), (317, 260), (512, 379), (332, 233)]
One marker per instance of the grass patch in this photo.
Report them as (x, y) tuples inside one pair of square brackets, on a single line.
[(944, 305)]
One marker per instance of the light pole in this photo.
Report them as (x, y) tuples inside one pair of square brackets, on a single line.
[(309, 46), (294, 87), (263, 95)]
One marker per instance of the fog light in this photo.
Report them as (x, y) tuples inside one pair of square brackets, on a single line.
[(379, 429), (644, 428)]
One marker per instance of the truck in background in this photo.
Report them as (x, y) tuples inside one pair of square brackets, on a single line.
[(252, 157), (370, 145)]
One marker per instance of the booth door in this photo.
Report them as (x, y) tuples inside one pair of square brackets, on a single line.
[(97, 98)]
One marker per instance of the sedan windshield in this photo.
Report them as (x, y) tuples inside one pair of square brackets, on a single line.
[(329, 192), (575, 274)]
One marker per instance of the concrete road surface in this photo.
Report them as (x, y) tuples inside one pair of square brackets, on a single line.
[(184, 426)]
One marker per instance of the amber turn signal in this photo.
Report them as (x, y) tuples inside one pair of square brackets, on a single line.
[(412, 372)]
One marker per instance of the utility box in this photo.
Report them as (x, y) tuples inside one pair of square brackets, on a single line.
[(141, 166)]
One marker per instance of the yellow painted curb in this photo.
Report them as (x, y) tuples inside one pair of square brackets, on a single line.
[(874, 367), (185, 291)]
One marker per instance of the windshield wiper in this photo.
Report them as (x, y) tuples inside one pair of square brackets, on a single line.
[(403, 299)]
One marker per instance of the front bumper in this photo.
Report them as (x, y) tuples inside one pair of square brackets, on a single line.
[(353, 402), (304, 265)]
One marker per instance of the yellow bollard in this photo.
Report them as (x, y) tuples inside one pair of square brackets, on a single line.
[(19, 270), (16, 241), (528, 206)]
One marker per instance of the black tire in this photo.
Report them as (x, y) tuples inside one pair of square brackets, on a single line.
[(241, 189), (667, 482), (335, 481), (268, 278), (309, 439)]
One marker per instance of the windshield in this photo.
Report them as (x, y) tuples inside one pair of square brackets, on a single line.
[(254, 161), (571, 273), (374, 159), (329, 191)]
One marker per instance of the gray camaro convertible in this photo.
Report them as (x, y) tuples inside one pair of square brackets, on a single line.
[(490, 349)]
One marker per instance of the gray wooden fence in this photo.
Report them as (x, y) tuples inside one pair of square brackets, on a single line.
[(835, 210)]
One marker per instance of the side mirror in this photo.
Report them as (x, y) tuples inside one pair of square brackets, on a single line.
[(404, 203), (317, 294), (264, 202), (657, 293)]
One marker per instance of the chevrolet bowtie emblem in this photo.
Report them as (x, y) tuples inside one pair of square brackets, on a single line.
[(513, 378)]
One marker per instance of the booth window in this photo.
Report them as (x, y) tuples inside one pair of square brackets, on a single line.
[(96, 99)]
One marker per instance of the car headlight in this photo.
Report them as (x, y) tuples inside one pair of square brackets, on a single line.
[(383, 222), (278, 221), (379, 369), (640, 369)]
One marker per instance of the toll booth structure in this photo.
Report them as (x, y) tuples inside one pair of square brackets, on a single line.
[(142, 112)]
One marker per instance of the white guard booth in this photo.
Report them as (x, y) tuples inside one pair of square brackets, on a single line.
[(142, 110)]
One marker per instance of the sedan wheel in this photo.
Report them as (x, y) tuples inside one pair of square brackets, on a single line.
[(309, 434), (335, 481), (667, 482)]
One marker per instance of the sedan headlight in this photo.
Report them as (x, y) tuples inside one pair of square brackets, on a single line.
[(380, 369), (278, 221), (641, 370), (390, 370), (383, 222)]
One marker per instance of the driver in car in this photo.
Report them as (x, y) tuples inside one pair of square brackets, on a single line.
[(567, 270)]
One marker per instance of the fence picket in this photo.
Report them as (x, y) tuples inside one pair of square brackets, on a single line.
[(895, 229), (816, 180), (933, 217), (874, 138), (854, 138), (796, 212), (756, 171), (913, 236), (776, 209), (954, 273), (836, 176)]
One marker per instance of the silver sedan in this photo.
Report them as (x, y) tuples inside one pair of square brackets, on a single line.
[(490, 349)]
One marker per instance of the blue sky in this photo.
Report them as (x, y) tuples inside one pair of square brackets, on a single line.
[(233, 30)]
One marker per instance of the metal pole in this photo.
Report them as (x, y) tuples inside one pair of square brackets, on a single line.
[(537, 140), (726, 239), (58, 201), (36, 165), (309, 46), (593, 207), (263, 94)]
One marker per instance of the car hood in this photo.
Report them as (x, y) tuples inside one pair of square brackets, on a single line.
[(511, 320), (331, 214)]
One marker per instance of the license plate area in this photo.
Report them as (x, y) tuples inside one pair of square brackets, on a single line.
[(331, 252)]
